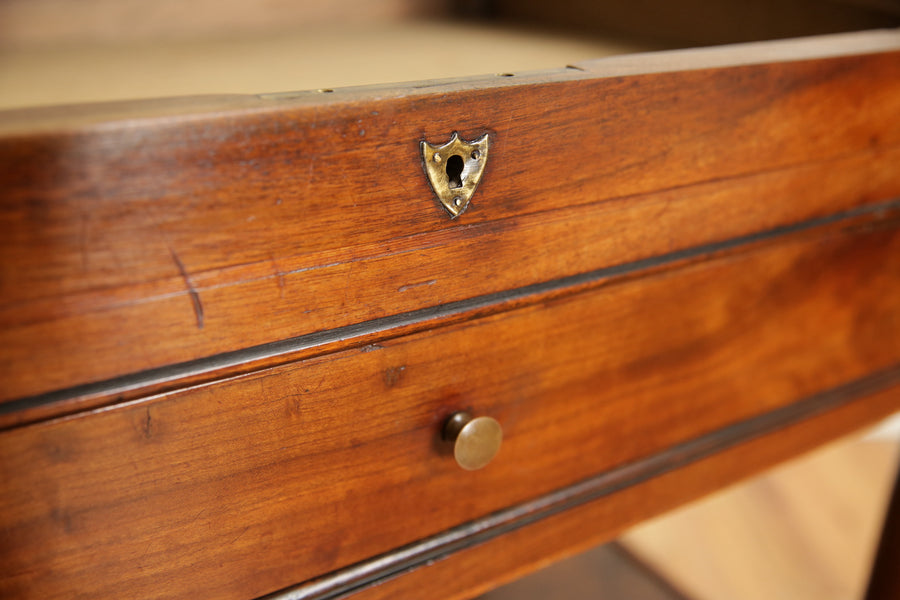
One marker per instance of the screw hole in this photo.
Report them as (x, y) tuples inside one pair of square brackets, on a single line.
[(457, 201), (476, 154), (454, 171)]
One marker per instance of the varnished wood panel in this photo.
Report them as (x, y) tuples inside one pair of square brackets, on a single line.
[(254, 358), (244, 487), (165, 235), (467, 573)]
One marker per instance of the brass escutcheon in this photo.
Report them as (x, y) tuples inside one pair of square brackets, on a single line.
[(455, 169)]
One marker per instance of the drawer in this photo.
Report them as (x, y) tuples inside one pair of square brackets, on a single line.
[(244, 486)]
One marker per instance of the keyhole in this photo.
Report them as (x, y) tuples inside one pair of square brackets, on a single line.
[(454, 170)]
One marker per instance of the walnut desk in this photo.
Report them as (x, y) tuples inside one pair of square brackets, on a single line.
[(234, 328)]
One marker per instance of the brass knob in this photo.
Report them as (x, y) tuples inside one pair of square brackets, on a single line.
[(475, 441)]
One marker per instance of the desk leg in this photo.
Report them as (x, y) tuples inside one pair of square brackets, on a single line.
[(884, 581)]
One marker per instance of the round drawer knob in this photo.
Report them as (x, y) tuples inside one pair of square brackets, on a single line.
[(475, 441)]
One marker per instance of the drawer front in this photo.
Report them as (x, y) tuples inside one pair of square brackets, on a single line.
[(242, 487)]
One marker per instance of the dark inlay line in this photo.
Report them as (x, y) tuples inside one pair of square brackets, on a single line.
[(200, 366), (418, 554)]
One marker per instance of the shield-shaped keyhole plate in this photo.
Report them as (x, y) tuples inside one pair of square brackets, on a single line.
[(455, 169)]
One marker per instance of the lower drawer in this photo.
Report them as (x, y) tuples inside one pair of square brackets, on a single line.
[(242, 487)]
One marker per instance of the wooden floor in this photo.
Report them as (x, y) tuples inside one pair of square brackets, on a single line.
[(805, 531)]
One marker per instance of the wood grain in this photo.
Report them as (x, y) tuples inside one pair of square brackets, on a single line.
[(466, 574), (423, 552), (250, 359), (157, 240), (240, 488)]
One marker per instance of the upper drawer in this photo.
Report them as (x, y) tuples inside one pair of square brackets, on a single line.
[(143, 235), (239, 488)]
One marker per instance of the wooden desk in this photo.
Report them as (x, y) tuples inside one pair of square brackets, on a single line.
[(234, 327)]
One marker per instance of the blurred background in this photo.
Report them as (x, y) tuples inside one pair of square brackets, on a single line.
[(70, 51)]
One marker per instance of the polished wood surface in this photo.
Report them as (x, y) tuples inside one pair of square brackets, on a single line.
[(231, 329), (185, 237), (337, 459), (479, 568)]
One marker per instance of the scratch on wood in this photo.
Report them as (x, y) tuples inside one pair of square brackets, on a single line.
[(278, 274), (197, 516), (392, 375), (146, 551), (246, 529), (508, 125), (316, 387), (312, 159), (147, 425), (309, 174), (84, 242), (347, 284), (403, 288), (664, 208), (502, 140), (192, 291)]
